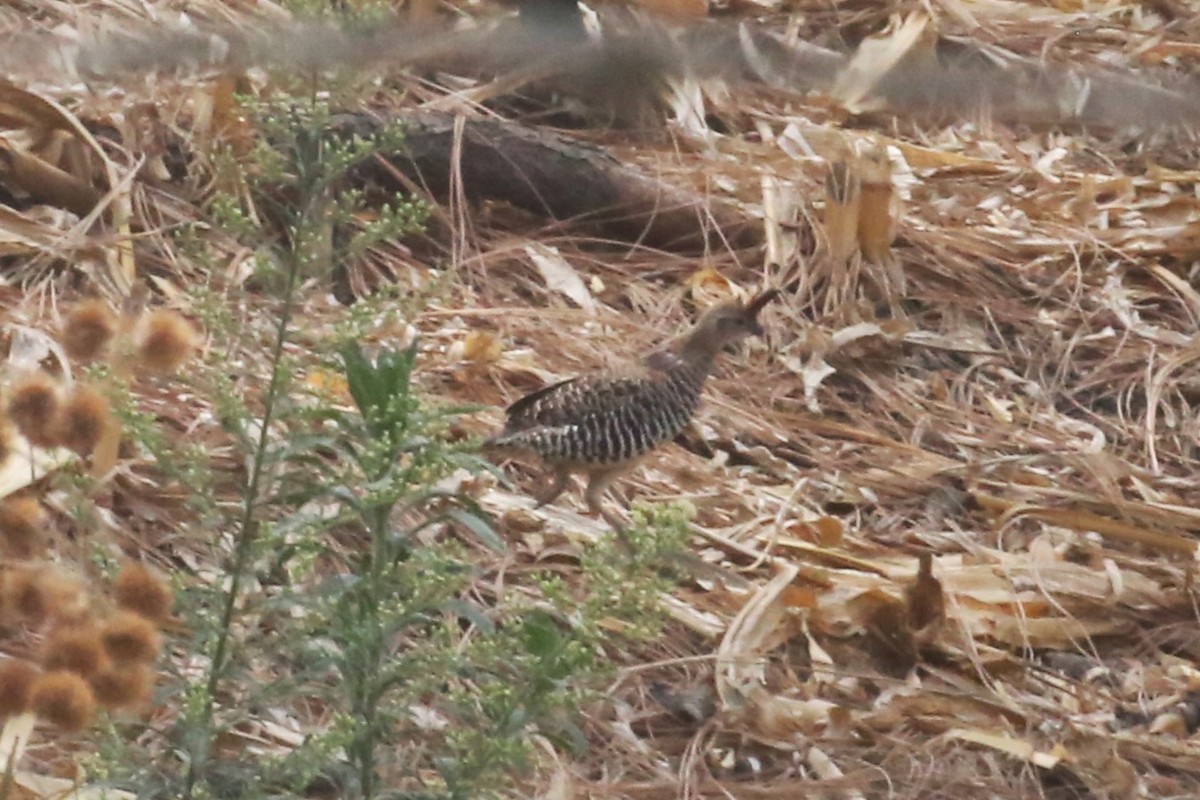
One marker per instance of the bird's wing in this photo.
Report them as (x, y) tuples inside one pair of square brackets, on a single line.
[(525, 412), (569, 401)]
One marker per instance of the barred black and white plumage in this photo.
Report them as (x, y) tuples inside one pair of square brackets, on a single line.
[(602, 423), (605, 418)]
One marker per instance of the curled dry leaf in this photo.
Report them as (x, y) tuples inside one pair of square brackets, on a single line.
[(521, 520), (746, 638), (815, 369), (783, 718), (560, 276), (707, 287), (479, 347)]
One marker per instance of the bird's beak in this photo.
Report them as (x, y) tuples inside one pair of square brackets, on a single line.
[(756, 305)]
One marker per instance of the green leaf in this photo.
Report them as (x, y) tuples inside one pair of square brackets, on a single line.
[(515, 721), (480, 528), (360, 377), (472, 614), (542, 638)]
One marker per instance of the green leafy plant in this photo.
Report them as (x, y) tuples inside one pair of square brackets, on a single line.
[(356, 595), (296, 182), (395, 603)]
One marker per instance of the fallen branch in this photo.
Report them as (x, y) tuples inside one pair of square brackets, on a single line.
[(553, 175)]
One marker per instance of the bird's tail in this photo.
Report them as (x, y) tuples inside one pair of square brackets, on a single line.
[(530, 441), (505, 444)]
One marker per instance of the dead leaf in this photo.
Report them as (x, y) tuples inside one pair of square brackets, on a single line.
[(707, 287), (31, 347), (1017, 748), (842, 203), (747, 634), (45, 183), (877, 56), (928, 158), (878, 208), (478, 347), (23, 235), (23, 109), (560, 276), (782, 718)]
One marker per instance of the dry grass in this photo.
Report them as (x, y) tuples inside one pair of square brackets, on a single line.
[(1022, 407)]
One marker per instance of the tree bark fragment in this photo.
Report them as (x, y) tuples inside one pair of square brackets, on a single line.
[(556, 176)]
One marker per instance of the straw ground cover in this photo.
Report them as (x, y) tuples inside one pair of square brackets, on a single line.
[(944, 515)]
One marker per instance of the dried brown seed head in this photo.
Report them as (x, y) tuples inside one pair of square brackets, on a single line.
[(88, 329), (17, 677), (82, 419), (165, 340), (124, 686), (139, 590), (130, 637), (34, 596), (63, 699), (32, 408), (22, 522), (75, 648), (23, 598)]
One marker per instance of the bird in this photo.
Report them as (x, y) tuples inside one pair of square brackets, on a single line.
[(601, 424)]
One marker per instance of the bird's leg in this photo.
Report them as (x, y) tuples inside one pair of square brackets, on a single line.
[(621, 496), (599, 484), (556, 486)]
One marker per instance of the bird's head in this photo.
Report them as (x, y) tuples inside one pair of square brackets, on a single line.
[(729, 322)]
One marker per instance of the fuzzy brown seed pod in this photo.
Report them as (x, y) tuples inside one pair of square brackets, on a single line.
[(130, 637), (33, 406), (17, 677), (88, 329), (63, 699), (75, 648), (164, 341), (34, 596), (124, 686), (81, 420), (22, 596), (139, 590), (22, 522)]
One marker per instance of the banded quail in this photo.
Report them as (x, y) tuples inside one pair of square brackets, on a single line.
[(601, 424)]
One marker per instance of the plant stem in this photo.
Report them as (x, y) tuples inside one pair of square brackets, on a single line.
[(247, 524)]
